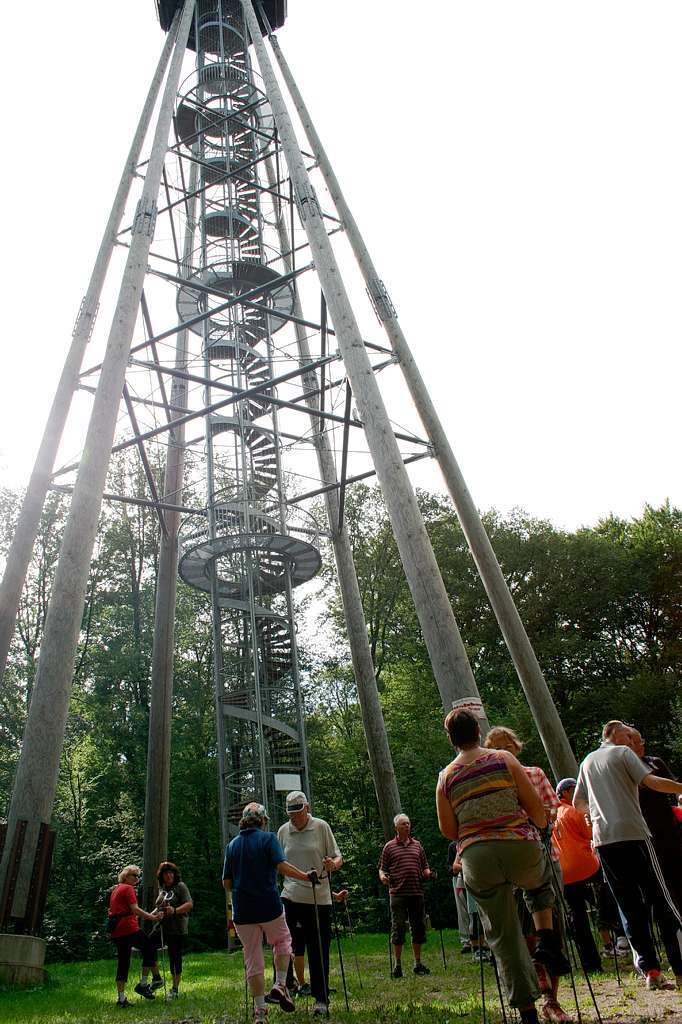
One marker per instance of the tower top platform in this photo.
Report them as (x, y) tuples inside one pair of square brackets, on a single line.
[(275, 11)]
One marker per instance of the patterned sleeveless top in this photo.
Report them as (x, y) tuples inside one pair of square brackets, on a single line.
[(485, 801)]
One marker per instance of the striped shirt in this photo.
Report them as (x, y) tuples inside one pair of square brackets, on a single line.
[(543, 787), (550, 801), (485, 801), (405, 863)]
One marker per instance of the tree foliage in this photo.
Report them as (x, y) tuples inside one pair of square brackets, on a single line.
[(602, 606)]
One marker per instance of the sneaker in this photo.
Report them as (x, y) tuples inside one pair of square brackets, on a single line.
[(279, 994), (143, 988), (466, 948), (622, 944), (551, 1010), (421, 968), (320, 1009), (122, 1003), (172, 993), (260, 1014), (608, 949), (397, 971), (656, 980), (156, 983), (482, 954), (304, 989)]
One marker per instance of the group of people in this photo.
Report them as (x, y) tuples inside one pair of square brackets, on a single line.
[(520, 853), (523, 849), (297, 920), (173, 905)]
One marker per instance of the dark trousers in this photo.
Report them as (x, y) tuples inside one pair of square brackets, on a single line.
[(580, 895), (124, 947), (174, 944), (406, 909), (637, 884), (300, 918), (669, 855)]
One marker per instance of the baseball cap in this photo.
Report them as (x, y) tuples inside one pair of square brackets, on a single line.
[(564, 785), (254, 810), (296, 801)]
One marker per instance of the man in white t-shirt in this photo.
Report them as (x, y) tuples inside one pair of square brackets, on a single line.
[(308, 840), (608, 784)]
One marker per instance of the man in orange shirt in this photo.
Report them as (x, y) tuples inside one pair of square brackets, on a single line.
[(580, 866)]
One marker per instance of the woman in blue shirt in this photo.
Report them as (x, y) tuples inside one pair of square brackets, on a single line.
[(252, 861)]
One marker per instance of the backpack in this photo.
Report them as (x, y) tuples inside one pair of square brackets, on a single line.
[(111, 922)]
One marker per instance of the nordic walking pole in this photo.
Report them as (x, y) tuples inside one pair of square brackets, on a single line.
[(390, 947), (338, 943), (499, 988), (480, 961), (352, 939), (571, 942), (160, 900), (315, 882), (163, 964), (433, 877)]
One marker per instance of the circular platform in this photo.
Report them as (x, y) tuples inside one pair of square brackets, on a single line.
[(272, 555), (227, 107), (233, 280)]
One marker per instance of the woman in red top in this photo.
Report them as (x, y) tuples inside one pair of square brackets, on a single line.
[(127, 934)]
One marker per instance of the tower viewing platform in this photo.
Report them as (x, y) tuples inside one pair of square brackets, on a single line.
[(275, 12)]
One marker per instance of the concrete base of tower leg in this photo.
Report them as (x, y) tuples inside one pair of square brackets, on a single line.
[(22, 959)]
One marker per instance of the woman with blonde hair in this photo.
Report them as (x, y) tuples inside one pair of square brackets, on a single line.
[(126, 934)]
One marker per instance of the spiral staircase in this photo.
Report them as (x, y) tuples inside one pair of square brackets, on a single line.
[(252, 550)]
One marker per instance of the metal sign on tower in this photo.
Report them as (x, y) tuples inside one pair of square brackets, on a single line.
[(233, 220)]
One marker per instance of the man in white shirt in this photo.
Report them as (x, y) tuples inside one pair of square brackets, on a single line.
[(608, 784), (310, 841)]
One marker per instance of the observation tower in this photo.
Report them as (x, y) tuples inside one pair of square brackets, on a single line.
[(224, 222)]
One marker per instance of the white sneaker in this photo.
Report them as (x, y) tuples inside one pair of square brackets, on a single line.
[(622, 944)]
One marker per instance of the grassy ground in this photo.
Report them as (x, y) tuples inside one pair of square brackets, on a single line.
[(213, 993)]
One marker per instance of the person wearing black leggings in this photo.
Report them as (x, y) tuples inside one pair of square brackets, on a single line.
[(175, 902), (126, 934)]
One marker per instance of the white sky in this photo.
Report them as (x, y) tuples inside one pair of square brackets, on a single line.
[(515, 168)]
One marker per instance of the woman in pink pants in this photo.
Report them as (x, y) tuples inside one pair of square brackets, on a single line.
[(252, 861)]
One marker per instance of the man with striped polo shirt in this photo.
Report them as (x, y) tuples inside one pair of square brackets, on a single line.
[(403, 868)]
